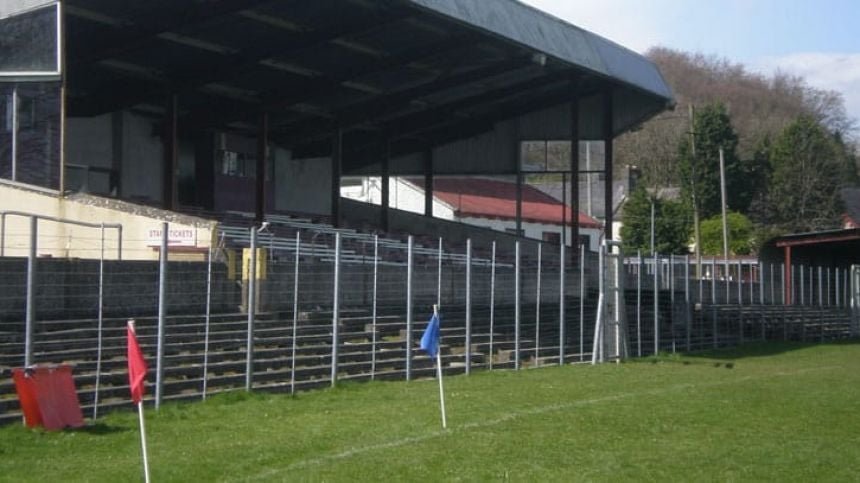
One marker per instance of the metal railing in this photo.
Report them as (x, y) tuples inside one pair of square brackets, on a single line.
[(265, 312)]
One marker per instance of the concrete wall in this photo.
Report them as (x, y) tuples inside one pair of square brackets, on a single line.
[(536, 230), (407, 197), (61, 240), (303, 185), (89, 141), (368, 215), (497, 151), (403, 196), (140, 154)]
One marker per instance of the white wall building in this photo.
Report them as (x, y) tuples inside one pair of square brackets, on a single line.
[(483, 202)]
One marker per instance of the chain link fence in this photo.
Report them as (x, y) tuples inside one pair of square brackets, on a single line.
[(291, 308)]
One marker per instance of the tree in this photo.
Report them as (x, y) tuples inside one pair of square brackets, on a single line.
[(672, 224), (741, 235), (808, 170), (700, 173)]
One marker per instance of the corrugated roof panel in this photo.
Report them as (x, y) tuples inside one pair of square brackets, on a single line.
[(538, 30)]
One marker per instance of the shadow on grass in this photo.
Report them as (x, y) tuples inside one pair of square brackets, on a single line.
[(100, 429), (746, 351)]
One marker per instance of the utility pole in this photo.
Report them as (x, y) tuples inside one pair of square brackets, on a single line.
[(723, 195), (652, 226), (695, 201)]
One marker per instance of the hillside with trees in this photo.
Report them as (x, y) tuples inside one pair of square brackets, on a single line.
[(788, 148)]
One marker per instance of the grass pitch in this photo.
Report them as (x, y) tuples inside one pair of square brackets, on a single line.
[(763, 412)]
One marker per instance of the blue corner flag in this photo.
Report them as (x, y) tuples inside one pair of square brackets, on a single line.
[(430, 339)]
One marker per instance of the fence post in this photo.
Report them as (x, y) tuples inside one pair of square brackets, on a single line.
[(773, 286), (597, 353), (728, 269), (31, 292), (688, 313), (101, 323), (741, 321), (582, 302), (294, 343), (836, 273), (639, 303), (410, 242), (373, 313), (335, 311), (492, 302), (561, 289), (537, 307), (671, 273), (439, 276), (468, 306), (782, 286), (802, 271), (656, 304), (820, 286), (517, 304), (207, 320), (252, 299), (162, 310), (713, 281), (753, 269)]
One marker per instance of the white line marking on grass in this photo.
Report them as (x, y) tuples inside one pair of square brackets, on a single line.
[(511, 416)]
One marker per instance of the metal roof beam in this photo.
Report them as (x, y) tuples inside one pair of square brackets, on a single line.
[(321, 87), (388, 103), (420, 120), (240, 63), (161, 24)]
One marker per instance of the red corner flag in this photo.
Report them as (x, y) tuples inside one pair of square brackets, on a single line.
[(136, 366)]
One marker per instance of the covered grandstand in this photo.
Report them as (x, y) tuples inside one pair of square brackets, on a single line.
[(213, 137), (186, 104)]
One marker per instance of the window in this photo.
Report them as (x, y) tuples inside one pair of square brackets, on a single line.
[(237, 164), (554, 156)]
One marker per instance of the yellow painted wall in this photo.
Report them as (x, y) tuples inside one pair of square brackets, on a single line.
[(70, 241)]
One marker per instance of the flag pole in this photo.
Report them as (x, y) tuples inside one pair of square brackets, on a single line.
[(142, 424), (439, 373), (143, 442)]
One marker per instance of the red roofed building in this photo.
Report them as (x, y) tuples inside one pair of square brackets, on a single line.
[(488, 203)]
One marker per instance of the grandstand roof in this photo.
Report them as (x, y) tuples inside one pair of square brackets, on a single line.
[(486, 198), (420, 72)]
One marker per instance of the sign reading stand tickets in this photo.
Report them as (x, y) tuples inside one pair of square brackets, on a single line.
[(176, 237)]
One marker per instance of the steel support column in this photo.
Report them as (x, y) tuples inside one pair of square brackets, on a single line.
[(428, 183), (170, 167), (608, 159), (384, 180), (262, 165), (574, 173), (336, 168)]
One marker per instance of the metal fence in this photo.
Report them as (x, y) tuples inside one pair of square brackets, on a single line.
[(289, 310)]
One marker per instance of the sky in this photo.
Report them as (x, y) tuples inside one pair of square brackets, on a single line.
[(817, 39)]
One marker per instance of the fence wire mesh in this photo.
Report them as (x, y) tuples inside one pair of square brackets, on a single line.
[(325, 305)]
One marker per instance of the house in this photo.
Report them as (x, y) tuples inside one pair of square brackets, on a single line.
[(483, 202), (851, 201)]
